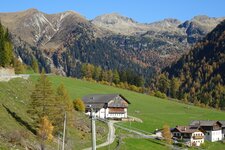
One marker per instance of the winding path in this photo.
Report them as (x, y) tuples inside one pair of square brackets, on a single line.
[(111, 135), (110, 138)]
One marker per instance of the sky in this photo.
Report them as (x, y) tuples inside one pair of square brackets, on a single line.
[(145, 11)]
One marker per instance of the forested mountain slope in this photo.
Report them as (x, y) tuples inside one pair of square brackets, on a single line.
[(62, 42), (200, 75)]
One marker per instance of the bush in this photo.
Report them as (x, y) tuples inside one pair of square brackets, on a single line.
[(160, 95), (152, 93), (79, 105)]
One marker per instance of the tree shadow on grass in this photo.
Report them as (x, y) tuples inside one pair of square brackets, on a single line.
[(156, 142), (20, 120)]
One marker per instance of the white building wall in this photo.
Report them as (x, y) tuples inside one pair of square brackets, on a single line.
[(104, 113), (223, 133), (214, 136), (125, 110), (118, 116), (217, 135), (197, 142), (192, 141)]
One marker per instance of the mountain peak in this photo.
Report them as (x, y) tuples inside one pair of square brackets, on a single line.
[(32, 10), (201, 17), (172, 20), (114, 14), (167, 22), (73, 13), (113, 18)]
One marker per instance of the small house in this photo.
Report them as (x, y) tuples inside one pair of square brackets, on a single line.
[(212, 129), (191, 135), (223, 128), (113, 106)]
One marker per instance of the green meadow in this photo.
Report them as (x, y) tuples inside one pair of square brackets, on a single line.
[(154, 112)]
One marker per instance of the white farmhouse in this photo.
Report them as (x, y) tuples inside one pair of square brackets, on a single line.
[(212, 129), (191, 135), (223, 128), (113, 106)]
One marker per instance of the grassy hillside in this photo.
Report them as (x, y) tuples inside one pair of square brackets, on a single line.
[(16, 125), (153, 111)]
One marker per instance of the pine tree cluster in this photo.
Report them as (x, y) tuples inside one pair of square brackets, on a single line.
[(6, 52)]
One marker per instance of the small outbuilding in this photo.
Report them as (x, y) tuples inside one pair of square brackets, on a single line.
[(191, 135), (112, 106), (223, 128)]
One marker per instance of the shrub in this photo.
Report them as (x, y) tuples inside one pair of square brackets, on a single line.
[(160, 95), (79, 105)]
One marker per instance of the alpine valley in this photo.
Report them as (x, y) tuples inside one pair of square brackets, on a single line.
[(63, 42)]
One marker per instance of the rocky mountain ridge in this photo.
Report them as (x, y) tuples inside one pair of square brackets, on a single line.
[(63, 41), (43, 30)]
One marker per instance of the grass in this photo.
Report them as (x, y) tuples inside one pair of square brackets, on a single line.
[(15, 96), (128, 141), (154, 112), (215, 146), (212, 146)]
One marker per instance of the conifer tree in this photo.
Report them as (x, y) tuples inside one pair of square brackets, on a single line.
[(35, 66), (116, 77), (63, 104), (6, 53), (104, 75), (163, 83), (110, 76), (18, 66), (42, 99), (174, 87), (97, 73)]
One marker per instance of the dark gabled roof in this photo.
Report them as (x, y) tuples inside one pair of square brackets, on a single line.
[(204, 123), (101, 99), (222, 122), (186, 129)]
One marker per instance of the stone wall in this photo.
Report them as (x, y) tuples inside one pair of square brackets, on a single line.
[(5, 78), (6, 74), (7, 71)]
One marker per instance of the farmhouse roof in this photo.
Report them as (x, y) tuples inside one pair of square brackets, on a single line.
[(99, 100), (186, 129), (222, 122), (204, 123)]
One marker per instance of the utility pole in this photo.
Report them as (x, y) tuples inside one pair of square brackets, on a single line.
[(64, 132), (93, 131), (58, 142)]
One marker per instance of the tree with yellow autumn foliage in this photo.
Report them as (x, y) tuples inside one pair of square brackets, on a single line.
[(167, 134), (45, 131), (79, 105)]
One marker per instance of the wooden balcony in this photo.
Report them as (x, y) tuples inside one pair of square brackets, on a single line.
[(198, 137)]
